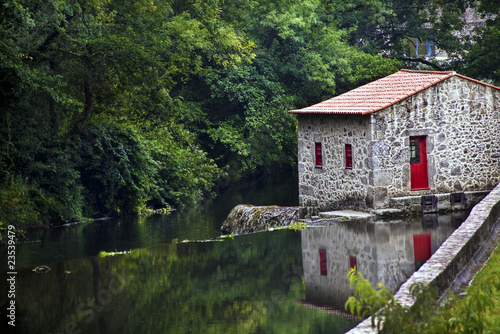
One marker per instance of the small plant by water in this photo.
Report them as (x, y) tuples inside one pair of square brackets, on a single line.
[(104, 253), (367, 300), (297, 226), (162, 211), (226, 236)]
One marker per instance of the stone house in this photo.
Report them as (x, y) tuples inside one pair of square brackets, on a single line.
[(414, 140)]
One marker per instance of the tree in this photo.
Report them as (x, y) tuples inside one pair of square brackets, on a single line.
[(390, 28), (480, 57), (111, 106), (299, 59), (88, 89)]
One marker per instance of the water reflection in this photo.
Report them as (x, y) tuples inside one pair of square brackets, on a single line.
[(386, 252), (249, 284)]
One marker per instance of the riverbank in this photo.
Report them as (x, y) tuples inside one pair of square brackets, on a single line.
[(490, 272)]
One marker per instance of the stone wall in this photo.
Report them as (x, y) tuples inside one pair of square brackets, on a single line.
[(333, 186), (461, 120), (246, 218)]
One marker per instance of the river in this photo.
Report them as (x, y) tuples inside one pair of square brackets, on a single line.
[(172, 274)]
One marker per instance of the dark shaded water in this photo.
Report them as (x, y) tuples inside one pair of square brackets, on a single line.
[(124, 234), (246, 285), (268, 282)]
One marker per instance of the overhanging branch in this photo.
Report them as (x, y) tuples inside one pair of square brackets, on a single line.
[(423, 61)]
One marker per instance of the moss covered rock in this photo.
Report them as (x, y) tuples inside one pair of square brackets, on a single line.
[(245, 218)]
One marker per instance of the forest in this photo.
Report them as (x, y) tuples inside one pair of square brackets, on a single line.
[(112, 107)]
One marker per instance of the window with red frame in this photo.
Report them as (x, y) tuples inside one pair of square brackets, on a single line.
[(348, 156), (353, 262), (318, 155), (322, 262)]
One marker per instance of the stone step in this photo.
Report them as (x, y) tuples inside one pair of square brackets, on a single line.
[(413, 203), (350, 214)]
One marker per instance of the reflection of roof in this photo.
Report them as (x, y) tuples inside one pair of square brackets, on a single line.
[(327, 309), (381, 93)]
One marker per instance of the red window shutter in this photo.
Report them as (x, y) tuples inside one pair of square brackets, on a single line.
[(318, 155), (353, 262), (348, 156), (322, 262)]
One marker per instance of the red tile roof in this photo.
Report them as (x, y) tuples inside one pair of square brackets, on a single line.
[(380, 94)]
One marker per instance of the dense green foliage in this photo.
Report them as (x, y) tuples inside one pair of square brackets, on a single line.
[(428, 314), (111, 106), (481, 58)]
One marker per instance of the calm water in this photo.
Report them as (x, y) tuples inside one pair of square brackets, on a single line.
[(269, 282), (76, 241)]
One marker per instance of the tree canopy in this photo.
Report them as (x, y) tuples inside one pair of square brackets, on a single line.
[(111, 106)]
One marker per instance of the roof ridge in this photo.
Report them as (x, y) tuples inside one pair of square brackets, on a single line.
[(451, 73), (427, 72), (382, 93)]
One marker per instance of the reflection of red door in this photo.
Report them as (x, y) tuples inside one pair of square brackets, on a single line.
[(418, 163), (322, 262), (422, 247)]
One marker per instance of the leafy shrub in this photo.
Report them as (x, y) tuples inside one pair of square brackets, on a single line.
[(366, 300), (428, 314)]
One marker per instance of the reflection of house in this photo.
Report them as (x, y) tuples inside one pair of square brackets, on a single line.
[(412, 133), (388, 252), (421, 47)]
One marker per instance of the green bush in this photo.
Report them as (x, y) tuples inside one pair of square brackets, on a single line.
[(429, 314)]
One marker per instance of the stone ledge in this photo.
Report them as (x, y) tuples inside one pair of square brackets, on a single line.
[(454, 256), (350, 214), (413, 203), (386, 213)]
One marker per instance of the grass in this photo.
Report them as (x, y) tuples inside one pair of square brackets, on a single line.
[(490, 273)]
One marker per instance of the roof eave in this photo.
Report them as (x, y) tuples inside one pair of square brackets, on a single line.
[(477, 81)]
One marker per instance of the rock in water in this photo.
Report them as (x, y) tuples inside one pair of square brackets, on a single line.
[(245, 218)]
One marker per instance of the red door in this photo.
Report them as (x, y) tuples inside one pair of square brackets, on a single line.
[(418, 163)]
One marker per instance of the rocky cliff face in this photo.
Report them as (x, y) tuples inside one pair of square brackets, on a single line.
[(245, 218)]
